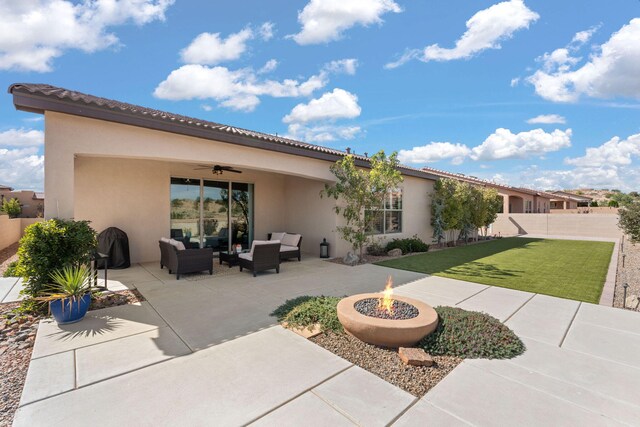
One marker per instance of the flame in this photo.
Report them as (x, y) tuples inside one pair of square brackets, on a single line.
[(386, 302)]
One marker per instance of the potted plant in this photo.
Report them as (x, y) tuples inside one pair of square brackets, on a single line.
[(70, 294)]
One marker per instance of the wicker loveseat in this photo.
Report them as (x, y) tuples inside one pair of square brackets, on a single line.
[(182, 261), (264, 255), (289, 244)]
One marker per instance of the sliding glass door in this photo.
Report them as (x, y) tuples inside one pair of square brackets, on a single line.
[(204, 215)]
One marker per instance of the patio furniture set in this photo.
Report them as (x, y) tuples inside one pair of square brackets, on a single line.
[(263, 255)]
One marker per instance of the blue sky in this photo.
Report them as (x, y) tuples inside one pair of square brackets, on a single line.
[(542, 94)]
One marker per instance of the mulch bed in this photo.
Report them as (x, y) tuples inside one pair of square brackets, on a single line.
[(386, 364), (7, 256), (17, 336)]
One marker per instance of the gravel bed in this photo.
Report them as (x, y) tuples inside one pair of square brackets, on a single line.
[(7, 256), (17, 335), (113, 299), (386, 364), (400, 309), (630, 274)]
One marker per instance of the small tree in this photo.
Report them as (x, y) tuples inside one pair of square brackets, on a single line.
[(629, 221), (492, 204), (361, 190), (594, 204), (11, 207), (613, 204), (466, 198)]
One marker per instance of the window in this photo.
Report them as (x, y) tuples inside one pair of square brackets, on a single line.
[(529, 206), (388, 219)]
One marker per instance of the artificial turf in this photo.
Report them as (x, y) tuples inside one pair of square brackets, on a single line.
[(571, 269)]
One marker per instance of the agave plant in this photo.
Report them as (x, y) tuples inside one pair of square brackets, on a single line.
[(69, 282)]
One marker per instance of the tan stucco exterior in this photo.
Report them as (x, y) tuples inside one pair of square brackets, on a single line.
[(32, 207), (119, 175)]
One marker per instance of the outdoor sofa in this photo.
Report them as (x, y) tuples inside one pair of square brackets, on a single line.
[(180, 260), (264, 255), (290, 244)]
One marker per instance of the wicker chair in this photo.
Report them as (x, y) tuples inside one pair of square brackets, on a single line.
[(185, 261), (290, 245), (264, 255)]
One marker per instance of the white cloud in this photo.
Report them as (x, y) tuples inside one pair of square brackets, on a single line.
[(35, 32), (322, 133), (210, 49), (345, 66), (338, 104), (266, 31), (547, 119), (268, 67), (326, 20), (503, 144), (21, 138), (514, 81), (240, 89), (612, 71), (615, 152), (206, 107), (435, 152), (485, 30), (22, 168), (581, 37)]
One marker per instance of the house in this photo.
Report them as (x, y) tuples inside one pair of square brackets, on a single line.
[(514, 199), (153, 174), (31, 202), (565, 200)]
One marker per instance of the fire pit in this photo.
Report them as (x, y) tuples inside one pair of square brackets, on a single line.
[(385, 319)]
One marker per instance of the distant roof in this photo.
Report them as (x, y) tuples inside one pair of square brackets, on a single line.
[(478, 181), (574, 197), (38, 98), (4, 187), (38, 196)]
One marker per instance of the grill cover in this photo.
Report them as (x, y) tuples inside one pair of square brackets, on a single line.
[(115, 243)]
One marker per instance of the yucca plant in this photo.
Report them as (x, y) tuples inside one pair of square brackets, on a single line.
[(69, 283)]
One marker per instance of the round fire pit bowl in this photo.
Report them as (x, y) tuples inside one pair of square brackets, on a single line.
[(387, 332)]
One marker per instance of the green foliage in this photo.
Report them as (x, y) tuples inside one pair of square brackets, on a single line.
[(623, 199), (594, 204), (11, 207), (360, 189), (12, 270), (613, 204), (409, 245), (470, 334), (306, 311), (629, 221), (376, 248), (457, 205), (68, 282), (49, 245)]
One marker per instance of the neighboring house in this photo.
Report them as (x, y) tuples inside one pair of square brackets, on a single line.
[(564, 200), (31, 202), (137, 169), (514, 199)]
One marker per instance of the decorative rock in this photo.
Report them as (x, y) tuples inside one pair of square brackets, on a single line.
[(395, 252), (632, 302), (351, 259), (414, 356)]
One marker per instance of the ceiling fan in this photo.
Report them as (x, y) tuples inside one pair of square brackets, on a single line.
[(218, 169)]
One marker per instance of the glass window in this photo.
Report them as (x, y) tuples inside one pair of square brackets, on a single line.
[(387, 219)]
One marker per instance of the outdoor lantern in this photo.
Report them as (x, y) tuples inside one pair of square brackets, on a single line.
[(324, 249)]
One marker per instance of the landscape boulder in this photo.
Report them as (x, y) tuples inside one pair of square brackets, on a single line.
[(351, 258), (395, 252)]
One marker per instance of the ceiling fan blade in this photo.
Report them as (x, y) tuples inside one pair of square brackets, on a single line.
[(233, 170), (203, 168)]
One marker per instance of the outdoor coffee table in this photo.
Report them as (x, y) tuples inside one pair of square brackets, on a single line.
[(230, 257)]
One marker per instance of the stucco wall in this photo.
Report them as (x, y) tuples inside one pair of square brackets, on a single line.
[(11, 230), (589, 225)]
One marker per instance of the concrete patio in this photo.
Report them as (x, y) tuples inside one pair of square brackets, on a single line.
[(204, 351)]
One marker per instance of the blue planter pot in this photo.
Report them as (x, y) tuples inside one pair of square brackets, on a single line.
[(68, 310)]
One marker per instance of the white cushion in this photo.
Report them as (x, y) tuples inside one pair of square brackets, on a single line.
[(291, 239), (286, 248), (278, 235), (246, 256), (165, 239), (178, 244), (260, 242)]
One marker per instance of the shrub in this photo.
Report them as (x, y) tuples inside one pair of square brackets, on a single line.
[(376, 249), (413, 244), (11, 207), (613, 204), (629, 221), (12, 269), (306, 311), (470, 334), (594, 204), (49, 245)]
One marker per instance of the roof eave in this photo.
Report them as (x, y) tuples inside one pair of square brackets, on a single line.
[(24, 100)]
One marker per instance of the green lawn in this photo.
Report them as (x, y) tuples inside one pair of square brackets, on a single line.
[(561, 268)]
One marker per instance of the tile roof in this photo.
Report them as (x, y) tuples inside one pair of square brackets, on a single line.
[(61, 94)]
